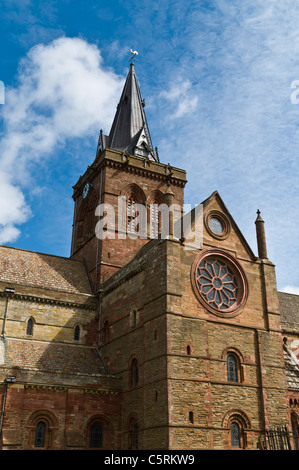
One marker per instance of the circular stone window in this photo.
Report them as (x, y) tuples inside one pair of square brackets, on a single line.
[(219, 283), (217, 224)]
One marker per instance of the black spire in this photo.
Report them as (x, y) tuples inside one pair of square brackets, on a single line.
[(129, 131)]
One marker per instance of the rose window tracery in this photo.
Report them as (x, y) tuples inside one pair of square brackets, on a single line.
[(219, 283)]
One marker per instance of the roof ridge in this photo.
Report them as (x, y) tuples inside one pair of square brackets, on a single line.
[(40, 253)]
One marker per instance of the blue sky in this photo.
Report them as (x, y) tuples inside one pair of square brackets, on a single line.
[(216, 77)]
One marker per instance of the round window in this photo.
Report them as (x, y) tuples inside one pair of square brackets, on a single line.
[(217, 224), (219, 282)]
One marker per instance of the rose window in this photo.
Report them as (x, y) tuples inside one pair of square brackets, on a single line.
[(220, 283)]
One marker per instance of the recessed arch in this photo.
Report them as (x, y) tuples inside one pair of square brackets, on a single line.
[(42, 427), (99, 432), (236, 423), (238, 416), (135, 191)]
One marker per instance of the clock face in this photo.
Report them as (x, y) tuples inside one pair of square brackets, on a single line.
[(86, 190)]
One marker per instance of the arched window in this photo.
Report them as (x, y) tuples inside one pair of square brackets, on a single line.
[(133, 434), (41, 429), (235, 435), (155, 221), (40, 433), (232, 368), (236, 424), (131, 226), (29, 329), (133, 317), (135, 216), (77, 333), (134, 373), (96, 436), (155, 200)]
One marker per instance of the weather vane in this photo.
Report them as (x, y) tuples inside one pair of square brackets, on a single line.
[(134, 53)]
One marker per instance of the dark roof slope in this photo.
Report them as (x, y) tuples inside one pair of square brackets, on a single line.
[(29, 268), (289, 310), (53, 357), (292, 368)]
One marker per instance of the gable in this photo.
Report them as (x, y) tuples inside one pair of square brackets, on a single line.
[(218, 228)]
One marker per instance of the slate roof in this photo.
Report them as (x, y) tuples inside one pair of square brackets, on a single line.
[(53, 358), (129, 128), (38, 270), (292, 368), (289, 311)]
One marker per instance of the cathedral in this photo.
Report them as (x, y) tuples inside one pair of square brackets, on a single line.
[(142, 339)]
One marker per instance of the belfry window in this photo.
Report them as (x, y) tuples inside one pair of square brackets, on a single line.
[(131, 214), (155, 220)]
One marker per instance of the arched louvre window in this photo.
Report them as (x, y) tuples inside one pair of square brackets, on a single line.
[(77, 333), (40, 432), (29, 329), (155, 220), (96, 436), (131, 214), (232, 368), (235, 435)]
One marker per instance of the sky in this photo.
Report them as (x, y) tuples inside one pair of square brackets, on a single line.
[(220, 80)]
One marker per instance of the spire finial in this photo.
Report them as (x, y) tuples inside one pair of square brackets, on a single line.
[(134, 53), (258, 215)]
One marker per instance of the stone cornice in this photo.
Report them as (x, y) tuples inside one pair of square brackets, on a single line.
[(133, 164), (64, 388), (48, 300)]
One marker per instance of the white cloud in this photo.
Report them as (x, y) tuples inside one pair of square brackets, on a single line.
[(291, 290), (63, 92), (181, 99)]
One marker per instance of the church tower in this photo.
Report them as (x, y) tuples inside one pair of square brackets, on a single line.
[(127, 170)]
